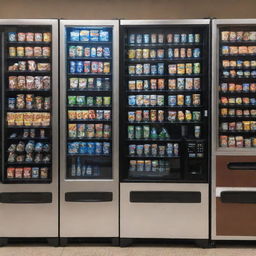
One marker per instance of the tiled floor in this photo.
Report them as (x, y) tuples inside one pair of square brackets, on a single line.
[(130, 251)]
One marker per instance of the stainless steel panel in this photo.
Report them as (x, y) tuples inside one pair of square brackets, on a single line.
[(161, 220), (99, 219), (36, 220), (166, 22)]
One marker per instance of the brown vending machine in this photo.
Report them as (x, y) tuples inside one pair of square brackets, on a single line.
[(234, 120)]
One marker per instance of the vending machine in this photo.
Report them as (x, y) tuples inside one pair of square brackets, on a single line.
[(234, 127), (89, 85), (29, 130), (164, 129)]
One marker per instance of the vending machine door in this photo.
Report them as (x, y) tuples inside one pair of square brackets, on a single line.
[(233, 126), (29, 129), (164, 129), (89, 134)]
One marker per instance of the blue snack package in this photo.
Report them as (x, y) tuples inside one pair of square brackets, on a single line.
[(74, 35), (91, 148), (12, 36), (104, 36), (83, 149), (106, 148), (73, 147), (98, 148), (94, 35), (85, 35)]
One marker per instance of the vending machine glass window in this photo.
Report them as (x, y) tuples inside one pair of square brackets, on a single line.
[(165, 94), (27, 104), (89, 102)]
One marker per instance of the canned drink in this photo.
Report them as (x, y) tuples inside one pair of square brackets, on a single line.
[(153, 115), (191, 38), (138, 54), (146, 131), (87, 51), (152, 54), (160, 53), (140, 166), (79, 51), (139, 69), (172, 100), (87, 67), (139, 150), (176, 38), (160, 68), (12, 51), (146, 68), (153, 84), (183, 38), (176, 53), (170, 53), (169, 149), (160, 100), (132, 167), (196, 53), (147, 165), (138, 115), (72, 51), (147, 149), (160, 38), (154, 165), (138, 39), (189, 68), (197, 38), (160, 115), (197, 131), (176, 149), (197, 69), (131, 54), (146, 38), (72, 66), (189, 53), (145, 53), (132, 149), (146, 100), (183, 52), (145, 115), (138, 132), (79, 67), (188, 100), (93, 52), (153, 38), (146, 84), (131, 134), (107, 84), (132, 39), (153, 100), (169, 38), (153, 69)]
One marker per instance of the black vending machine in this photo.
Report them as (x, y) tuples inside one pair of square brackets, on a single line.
[(164, 129)]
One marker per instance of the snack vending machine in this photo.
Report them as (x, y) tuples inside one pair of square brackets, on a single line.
[(164, 129), (89, 129), (29, 130), (234, 127)]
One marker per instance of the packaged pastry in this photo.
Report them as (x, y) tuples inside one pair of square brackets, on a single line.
[(18, 173), (181, 69), (172, 68), (231, 87), (224, 111), (10, 172), (30, 37), (139, 84), (253, 63), (196, 99), (232, 126), (247, 125), (21, 82), (233, 50), (13, 82), (243, 50), (172, 116), (239, 101), (189, 69), (29, 51), (231, 100), (239, 112), (38, 37), (160, 84), (253, 87), (21, 51), (43, 66), (12, 51), (248, 143), (31, 65), (46, 51), (172, 84), (224, 100), (37, 51), (231, 142), (189, 83), (231, 112), (251, 49), (30, 82), (180, 100), (239, 35), (232, 63), (38, 83), (46, 82), (239, 141), (21, 37), (225, 63), (225, 35), (238, 87), (245, 100), (47, 37), (225, 50), (181, 116), (232, 36)]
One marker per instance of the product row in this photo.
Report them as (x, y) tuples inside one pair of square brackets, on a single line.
[(237, 101), (239, 64), (30, 147), (89, 35), (89, 52), (27, 172), (89, 148), (237, 141), (29, 102), (178, 84), (30, 51), (154, 150), (91, 83), (89, 115), (238, 126), (159, 69), (87, 67), (157, 167), (90, 131), (33, 158), (29, 82), (231, 112), (29, 65), (160, 38), (30, 37), (89, 101), (154, 115), (159, 100), (170, 53), (238, 73), (232, 87), (29, 134), (238, 36)]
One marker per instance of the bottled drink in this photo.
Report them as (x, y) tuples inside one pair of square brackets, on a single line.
[(73, 168), (78, 167)]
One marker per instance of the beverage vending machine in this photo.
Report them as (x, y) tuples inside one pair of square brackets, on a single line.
[(164, 129), (234, 127), (89, 185), (29, 130)]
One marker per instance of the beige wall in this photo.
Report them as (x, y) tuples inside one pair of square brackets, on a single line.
[(128, 9)]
